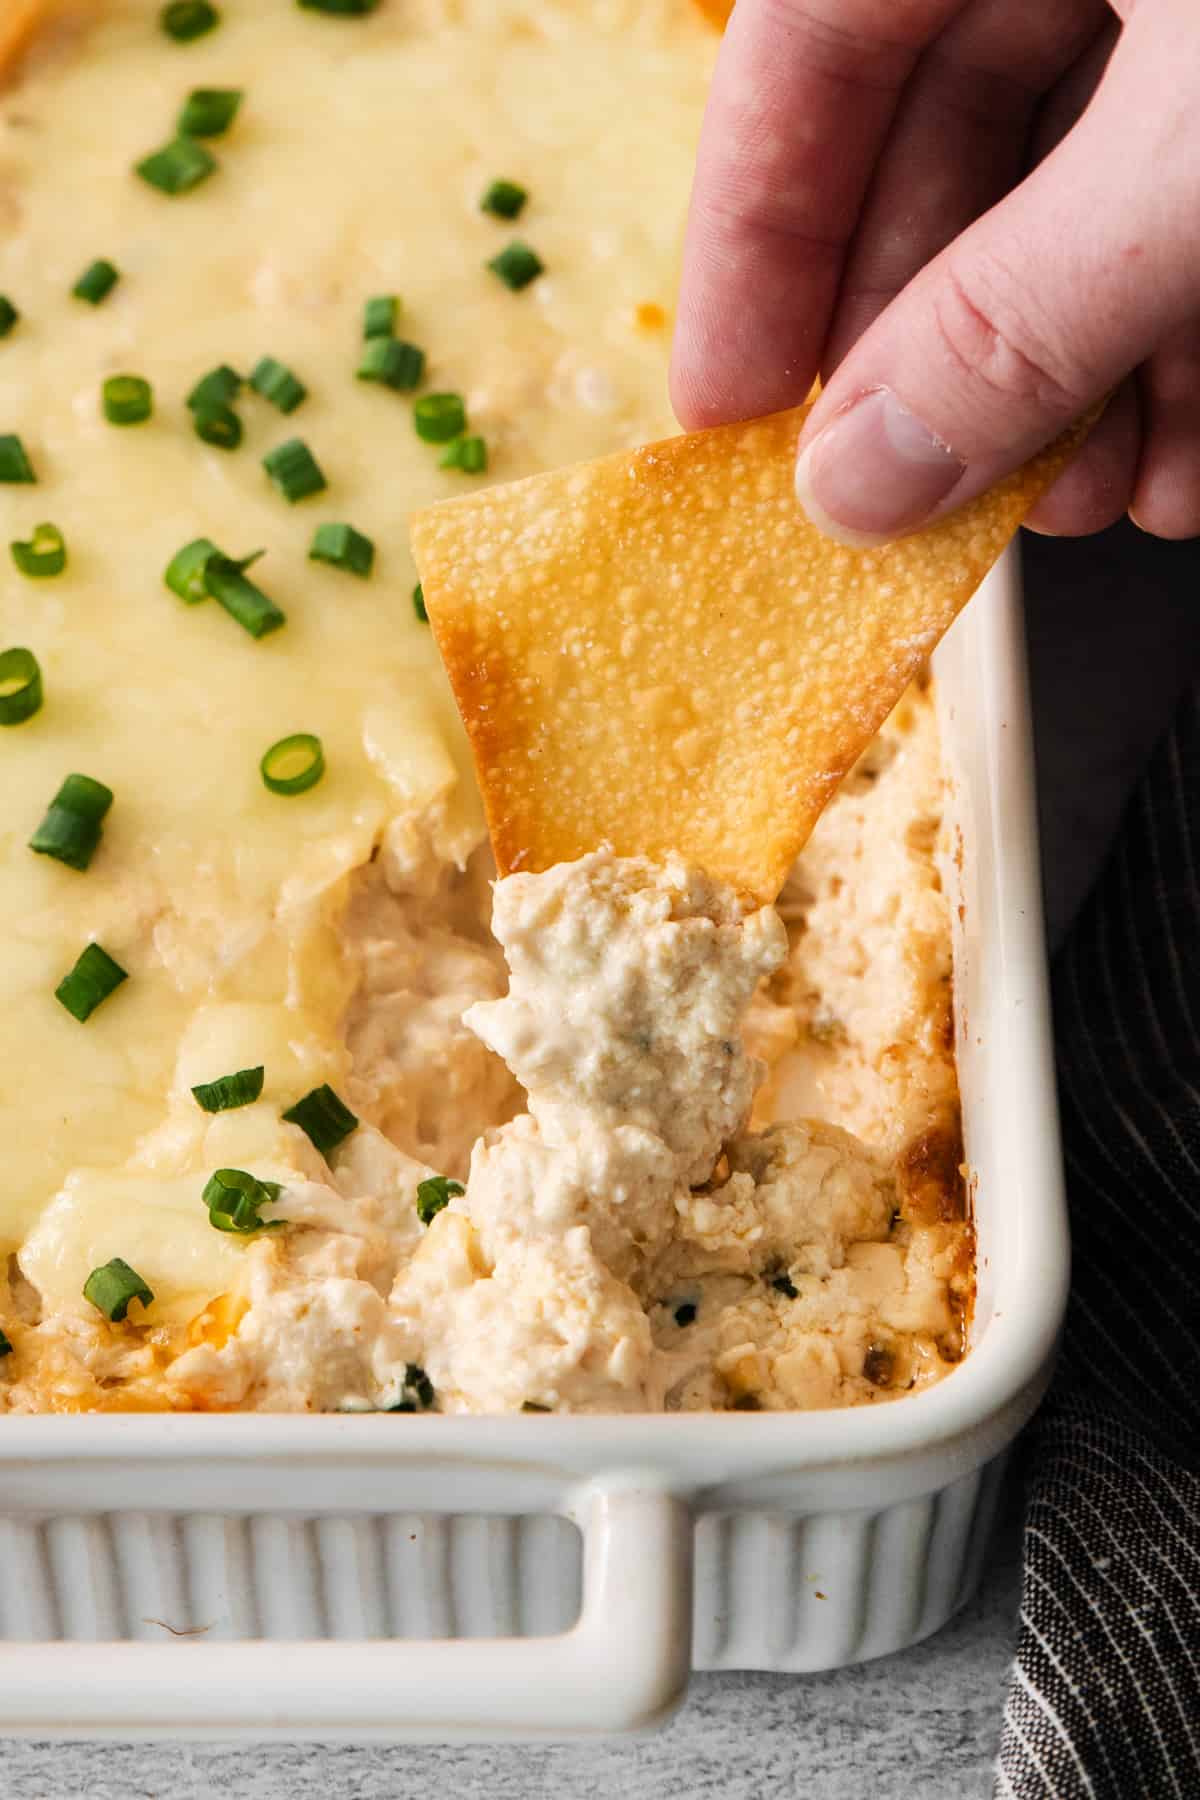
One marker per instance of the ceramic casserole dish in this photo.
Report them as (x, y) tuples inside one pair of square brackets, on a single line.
[(326, 1576)]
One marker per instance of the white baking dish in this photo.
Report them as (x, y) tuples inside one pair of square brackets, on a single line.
[(371, 1552)]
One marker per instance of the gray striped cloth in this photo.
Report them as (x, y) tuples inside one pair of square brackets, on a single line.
[(1104, 1693)]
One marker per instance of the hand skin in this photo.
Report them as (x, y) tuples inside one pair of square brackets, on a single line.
[(973, 219)]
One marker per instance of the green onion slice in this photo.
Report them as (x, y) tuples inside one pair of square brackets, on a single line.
[(97, 282), (344, 547), (94, 977), (435, 1193), (226, 581), (218, 425), (233, 1199), (5, 1345), (177, 167), (207, 112), (220, 387), (416, 1392), (276, 383), (14, 464), (324, 1119), (468, 454), (20, 686), (504, 199), (393, 362), (9, 315), (379, 315), (294, 764), (416, 1379), (127, 399), (45, 553), (418, 600), (184, 20), (343, 9), (228, 1092), (70, 831), (517, 265), (184, 574), (112, 1287), (439, 417), (294, 470)]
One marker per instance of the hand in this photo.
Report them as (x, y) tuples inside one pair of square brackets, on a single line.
[(974, 218)]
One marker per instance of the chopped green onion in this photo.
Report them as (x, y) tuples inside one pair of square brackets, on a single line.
[(393, 362), (783, 1284), (294, 470), (226, 581), (233, 1199), (345, 9), (210, 402), (220, 387), (5, 1345), (20, 686), (468, 454), (418, 599), (127, 399), (43, 554), (324, 1119), (177, 167), (294, 764), (504, 200), (94, 977), (14, 464), (535, 1406), (70, 831), (435, 1193), (439, 417), (416, 1392), (276, 383), (97, 282), (184, 574), (9, 316), (344, 547), (379, 316), (207, 112), (241, 1088), (686, 1314), (416, 1379), (184, 20), (517, 265), (218, 425), (111, 1288)]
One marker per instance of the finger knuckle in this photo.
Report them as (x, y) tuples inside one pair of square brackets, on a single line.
[(989, 335)]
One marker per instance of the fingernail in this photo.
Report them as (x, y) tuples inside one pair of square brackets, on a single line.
[(874, 472)]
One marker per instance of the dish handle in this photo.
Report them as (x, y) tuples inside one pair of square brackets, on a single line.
[(622, 1667)]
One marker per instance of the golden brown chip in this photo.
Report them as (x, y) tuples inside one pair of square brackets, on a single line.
[(658, 651), (716, 11)]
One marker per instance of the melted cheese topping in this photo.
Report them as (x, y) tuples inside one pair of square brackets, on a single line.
[(355, 167)]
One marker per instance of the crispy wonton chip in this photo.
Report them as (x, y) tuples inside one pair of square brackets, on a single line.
[(658, 651), (716, 11)]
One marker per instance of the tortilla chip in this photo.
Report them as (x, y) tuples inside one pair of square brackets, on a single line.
[(716, 11), (658, 651)]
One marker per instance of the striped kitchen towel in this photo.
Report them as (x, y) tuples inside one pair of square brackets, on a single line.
[(1104, 1692)]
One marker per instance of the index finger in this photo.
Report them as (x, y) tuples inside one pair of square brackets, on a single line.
[(801, 101)]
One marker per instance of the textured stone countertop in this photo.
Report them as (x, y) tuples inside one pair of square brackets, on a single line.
[(1114, 635)]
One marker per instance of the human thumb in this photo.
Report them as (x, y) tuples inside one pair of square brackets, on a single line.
[(1033, 314)]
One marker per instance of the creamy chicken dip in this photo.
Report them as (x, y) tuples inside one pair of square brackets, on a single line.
[(672, 1155)]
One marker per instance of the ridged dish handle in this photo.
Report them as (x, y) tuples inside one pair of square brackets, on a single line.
[(621, 1667)]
